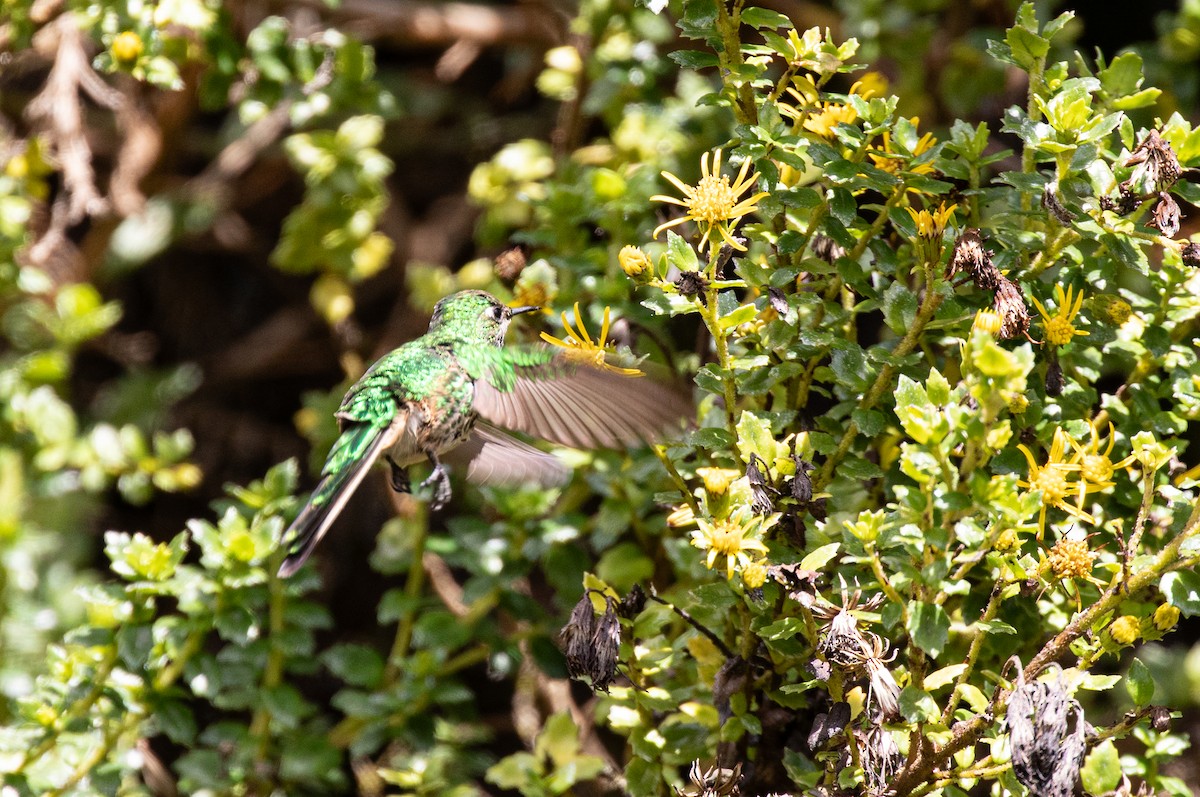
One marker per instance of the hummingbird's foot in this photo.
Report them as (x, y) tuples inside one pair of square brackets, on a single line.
[(439, 480), (399, 478)]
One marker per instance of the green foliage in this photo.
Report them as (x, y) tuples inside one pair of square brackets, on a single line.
[(900, 503)]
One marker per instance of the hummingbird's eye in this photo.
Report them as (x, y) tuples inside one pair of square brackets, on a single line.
[(497, 313)]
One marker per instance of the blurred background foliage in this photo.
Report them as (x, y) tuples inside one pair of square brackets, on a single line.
[(213, 215)]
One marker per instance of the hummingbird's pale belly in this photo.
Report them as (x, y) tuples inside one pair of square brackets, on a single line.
[(430, 429)]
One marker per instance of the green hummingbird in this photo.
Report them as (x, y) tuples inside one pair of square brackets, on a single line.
[(443, 396)]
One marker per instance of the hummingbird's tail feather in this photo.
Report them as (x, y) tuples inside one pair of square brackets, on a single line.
[(349, 461)]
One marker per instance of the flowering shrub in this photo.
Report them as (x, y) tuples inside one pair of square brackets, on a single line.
[(937, 503)]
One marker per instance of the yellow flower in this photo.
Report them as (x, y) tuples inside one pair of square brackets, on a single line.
[(871, 84), (733, 537), (988, 321), (717, 480), (754, 575), (681, 516), (1097, 468), (126, 47), (634, 262), (931, 225), (1052, 480), (1125, 629), (825, 120), (1059, 329), (1071, 558), (580, 346), (1165, 617), (889, 158), (713, 203)]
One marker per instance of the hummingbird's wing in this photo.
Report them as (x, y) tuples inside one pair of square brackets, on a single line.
[(547, 394), (490, 457)]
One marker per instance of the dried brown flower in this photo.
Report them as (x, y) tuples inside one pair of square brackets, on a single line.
[(1157, 161), (511, 262), (826, 248), (592, 642), (712, 782), (1047, 730), (970, 256), (1165, 217), (691, 283), (1009, 304)]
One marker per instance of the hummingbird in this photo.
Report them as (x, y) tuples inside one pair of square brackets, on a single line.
[(443, 398)]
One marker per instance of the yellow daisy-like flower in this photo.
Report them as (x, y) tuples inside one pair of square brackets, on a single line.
[(1071, 558), (889, 158), (1053, 480), (580, 346), (931, 225), (754, 575), (825, 120), (1097, 468), (713, 203), (734, 538), (717, 480), (988, 321), (1059, 329)]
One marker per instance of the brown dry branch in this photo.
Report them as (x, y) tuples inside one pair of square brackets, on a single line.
[(435, 24)]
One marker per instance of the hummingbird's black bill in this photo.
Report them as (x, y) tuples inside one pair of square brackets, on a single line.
[(527, 309)]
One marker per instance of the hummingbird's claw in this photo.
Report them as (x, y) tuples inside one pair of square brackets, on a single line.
[(439, 480), (399, 478)]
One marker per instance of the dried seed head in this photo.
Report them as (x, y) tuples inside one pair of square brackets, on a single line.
[(1156, 161), (970, 256), (1054, 379), (1160, 718), (1190, 254), (690, 283), (760, 492), (510, 262), (802, 489), (592, 642), (1009, 304), (1047, 730), (633, 602), (712, 782), (827, 726), (880, 757), (1052, 203), (728, 681), (1165, 218), (778, 299), (1125, 203), (826, 248)]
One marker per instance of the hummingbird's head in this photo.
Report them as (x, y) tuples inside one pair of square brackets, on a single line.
[(475, 316)]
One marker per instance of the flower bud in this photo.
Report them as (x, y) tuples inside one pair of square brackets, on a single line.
[(1125, 629), (126, 47), (634, 262), (1165, 617)]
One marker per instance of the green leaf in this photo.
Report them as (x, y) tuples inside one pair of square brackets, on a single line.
[(1182, 589), (917, 705), (929, 626), (816, 560), (1101, 770), (680, 254), (694, 59), (757, 17), (1139, 683), (357, 665)]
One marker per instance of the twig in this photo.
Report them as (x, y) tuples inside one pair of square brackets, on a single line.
[(716, 640)]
